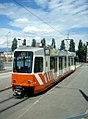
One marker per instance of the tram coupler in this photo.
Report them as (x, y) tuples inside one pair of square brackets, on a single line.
[(18, 92)]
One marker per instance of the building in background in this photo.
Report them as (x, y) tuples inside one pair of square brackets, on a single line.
[(8, 56), (2, 63)]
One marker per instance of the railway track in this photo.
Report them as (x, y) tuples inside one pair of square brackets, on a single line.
[(10, 105), (7, 88)]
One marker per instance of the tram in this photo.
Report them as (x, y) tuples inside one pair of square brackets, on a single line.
[(35, 69), (87, 54)]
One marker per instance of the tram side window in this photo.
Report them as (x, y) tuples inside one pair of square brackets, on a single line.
[(68, 61), (72, 61), (60, 63), (38, 67), (65, 62), (52, 62)]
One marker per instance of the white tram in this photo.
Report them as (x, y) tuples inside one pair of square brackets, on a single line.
[(36, 69), (87, 54)]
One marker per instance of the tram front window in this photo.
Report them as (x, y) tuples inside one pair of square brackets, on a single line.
[(23, 62)]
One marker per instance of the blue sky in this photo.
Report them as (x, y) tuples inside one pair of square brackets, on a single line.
[(28, 19)]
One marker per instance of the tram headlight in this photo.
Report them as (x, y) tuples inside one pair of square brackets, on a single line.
[(14, 81), (29, 81)]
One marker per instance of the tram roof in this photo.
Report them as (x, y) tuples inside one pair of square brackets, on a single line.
[(28, 48), (53, 52), (66, 53)]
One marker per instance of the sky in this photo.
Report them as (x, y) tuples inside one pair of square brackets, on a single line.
[(38, 19)]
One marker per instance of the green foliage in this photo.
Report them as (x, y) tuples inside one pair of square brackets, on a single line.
[(62, 47), (72, 46), (33, 43), (43, 41), (24, 42), (81, 52), (53, 43), (14, 44)]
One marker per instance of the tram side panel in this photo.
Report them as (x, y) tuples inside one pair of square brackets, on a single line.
[(44, 77), (49, 76), (87, 54), (38, 73), (48, 73)]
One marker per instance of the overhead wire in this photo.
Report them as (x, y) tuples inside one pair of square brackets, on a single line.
[(37, 16)]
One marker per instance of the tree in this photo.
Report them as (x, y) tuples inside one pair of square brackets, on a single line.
[(72, 46), (81, 52), (43, 42), (24, 42), (53, 43), (33, 43), (14, 44), (84, 52), (62, 47)]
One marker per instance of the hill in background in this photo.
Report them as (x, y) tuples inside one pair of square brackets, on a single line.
[(5, 49)]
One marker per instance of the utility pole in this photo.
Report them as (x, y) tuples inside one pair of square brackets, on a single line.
[(7, 45), (67, 39), (67, 48)]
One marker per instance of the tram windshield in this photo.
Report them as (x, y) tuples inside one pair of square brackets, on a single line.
[(23, 62)]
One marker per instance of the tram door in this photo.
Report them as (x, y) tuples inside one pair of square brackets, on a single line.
[(55, 69), (47, 62), (60, 66), (53, 66)]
